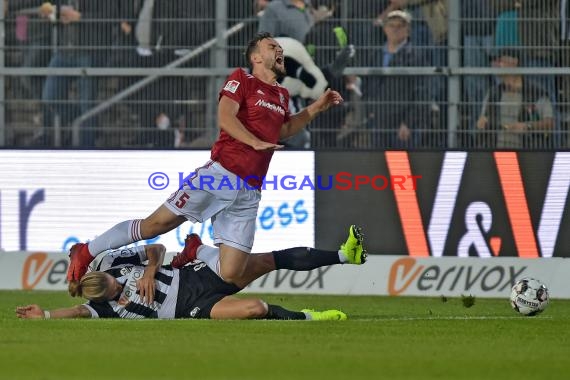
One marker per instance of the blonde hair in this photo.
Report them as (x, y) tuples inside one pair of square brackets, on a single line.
[(92, 286)]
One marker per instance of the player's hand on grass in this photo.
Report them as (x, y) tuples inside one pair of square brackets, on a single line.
[(29, 312), (145, 287)]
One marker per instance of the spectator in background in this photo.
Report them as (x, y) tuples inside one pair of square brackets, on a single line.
[(163, 31), (507, 29), (398, 105), (478, 26), (516, 112), (563, 95), (27, 43), (429, 36), (82, 35), (539, 25), (428, 33), (287, 18), (31, 39)]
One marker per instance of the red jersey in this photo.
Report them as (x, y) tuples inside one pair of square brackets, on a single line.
[(263, 109)]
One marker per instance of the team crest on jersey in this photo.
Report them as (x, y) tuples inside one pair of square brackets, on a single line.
[(232, 86), (282, 99), (194, 312)]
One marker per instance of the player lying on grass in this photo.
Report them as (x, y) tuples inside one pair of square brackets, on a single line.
[(123, 288)]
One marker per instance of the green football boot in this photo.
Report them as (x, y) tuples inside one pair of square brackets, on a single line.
[(353, 248), (327, 315)]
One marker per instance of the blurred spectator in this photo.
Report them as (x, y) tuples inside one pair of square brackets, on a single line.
[(429, 28), (296, 19), (27, 43), (32, 40), (539, 25), (429, 36), (516, 112), (82, 35), (287, 18), (398, 105), (563, 98), (478, 27), (507, 29), (163, 31)]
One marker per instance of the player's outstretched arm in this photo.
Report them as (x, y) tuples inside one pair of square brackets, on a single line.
[(300, 120), (36, 312)]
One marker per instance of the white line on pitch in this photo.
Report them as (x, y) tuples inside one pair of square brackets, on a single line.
[(451, 318)]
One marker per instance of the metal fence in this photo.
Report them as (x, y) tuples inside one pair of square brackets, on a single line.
[(142, 73)]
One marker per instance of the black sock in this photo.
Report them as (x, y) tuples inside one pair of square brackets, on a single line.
[(304, 258), (277, 312)]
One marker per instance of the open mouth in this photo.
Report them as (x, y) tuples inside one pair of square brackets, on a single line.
[(279, 59)]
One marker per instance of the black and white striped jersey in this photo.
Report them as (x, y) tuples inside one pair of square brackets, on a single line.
[(126, 265)]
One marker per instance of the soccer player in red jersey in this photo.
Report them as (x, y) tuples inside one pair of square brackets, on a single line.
[(253, 115)]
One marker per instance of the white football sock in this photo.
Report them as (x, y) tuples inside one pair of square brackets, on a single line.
[(211, 256), (124, 233), (342, 257)]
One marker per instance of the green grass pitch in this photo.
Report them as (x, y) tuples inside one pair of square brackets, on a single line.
[(384, 338)]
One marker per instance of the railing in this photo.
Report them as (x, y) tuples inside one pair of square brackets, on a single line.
[(132, 96)]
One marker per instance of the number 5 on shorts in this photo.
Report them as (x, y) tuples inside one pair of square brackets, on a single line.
[(182, 200)]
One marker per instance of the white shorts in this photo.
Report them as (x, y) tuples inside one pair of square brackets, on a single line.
[(218, 194)]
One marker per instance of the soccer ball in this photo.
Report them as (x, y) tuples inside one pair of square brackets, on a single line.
[(529, 296)]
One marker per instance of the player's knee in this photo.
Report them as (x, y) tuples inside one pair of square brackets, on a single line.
[(233, 275), (234, 272)]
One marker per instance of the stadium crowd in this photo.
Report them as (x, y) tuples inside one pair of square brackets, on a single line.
[(406, 110)]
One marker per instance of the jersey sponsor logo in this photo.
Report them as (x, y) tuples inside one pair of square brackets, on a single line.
[(194, 312), (232, 86), (270, 106)]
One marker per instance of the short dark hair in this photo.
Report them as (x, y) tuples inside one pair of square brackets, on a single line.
[(252, 46)]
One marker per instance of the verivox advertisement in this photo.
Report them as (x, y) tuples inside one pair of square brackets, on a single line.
[(408, 276), (381, 275)]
